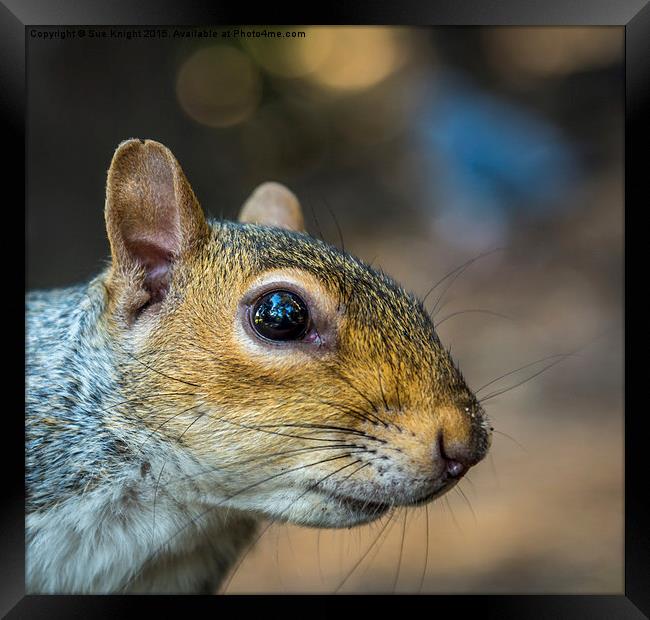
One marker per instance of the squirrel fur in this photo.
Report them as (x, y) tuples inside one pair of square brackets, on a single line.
[(160, 430)]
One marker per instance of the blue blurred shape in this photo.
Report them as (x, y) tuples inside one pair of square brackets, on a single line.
[(495, 154)]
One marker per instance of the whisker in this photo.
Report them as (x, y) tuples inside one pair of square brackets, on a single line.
[(211, 508), (363, 557), (155, 495), (426, 546), (469, 481), (561, 356), (260, 458), (345, 256), (396, 375), (320, 232), (261, 430), (453, 516), (472, 310), (143, 398), (325, 427), (233, 572), (313, 486), (293, 501), (358, 413), (511, 438), (169, 419), (318, 556), (401, 551), (353, 387), (516, 385), (469, 505), (336, 222), (358, 469), (377, 550), (512, 372), (494, 470), (462, 267), (159, 372), (381, 389)]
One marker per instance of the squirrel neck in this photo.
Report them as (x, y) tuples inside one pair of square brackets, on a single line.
[(70, 374), (83, 442)]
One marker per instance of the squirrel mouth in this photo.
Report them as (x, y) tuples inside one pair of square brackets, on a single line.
[(368, 510), (362, 506), (434, 494), (377, 508)]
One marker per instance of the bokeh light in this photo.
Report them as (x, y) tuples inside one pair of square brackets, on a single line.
[(353, 59), (219, 86), (546, 52), (292, 57)]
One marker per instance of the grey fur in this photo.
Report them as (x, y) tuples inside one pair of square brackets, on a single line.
[(89, 482)]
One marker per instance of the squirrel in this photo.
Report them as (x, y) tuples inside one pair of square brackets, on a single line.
[(216, 374)]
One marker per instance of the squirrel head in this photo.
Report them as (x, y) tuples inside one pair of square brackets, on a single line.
[(309, 386)]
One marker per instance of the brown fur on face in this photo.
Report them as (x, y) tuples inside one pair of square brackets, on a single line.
[(329, 432)]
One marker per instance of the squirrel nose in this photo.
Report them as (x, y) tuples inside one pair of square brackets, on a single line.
[(455, 469)]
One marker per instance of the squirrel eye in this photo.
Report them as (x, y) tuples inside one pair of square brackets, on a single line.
[(280, 315)]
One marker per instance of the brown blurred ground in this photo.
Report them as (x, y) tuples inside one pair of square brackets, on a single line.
[(354, 121)]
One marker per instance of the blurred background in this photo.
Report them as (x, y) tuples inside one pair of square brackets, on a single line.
[(428, 147)]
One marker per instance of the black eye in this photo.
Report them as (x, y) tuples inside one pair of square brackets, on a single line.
[(280, 315)]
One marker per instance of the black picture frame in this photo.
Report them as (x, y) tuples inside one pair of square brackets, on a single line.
[(15, 18)]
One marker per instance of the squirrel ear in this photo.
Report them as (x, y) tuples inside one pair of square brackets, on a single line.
[(272, 204), (152, 218)]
